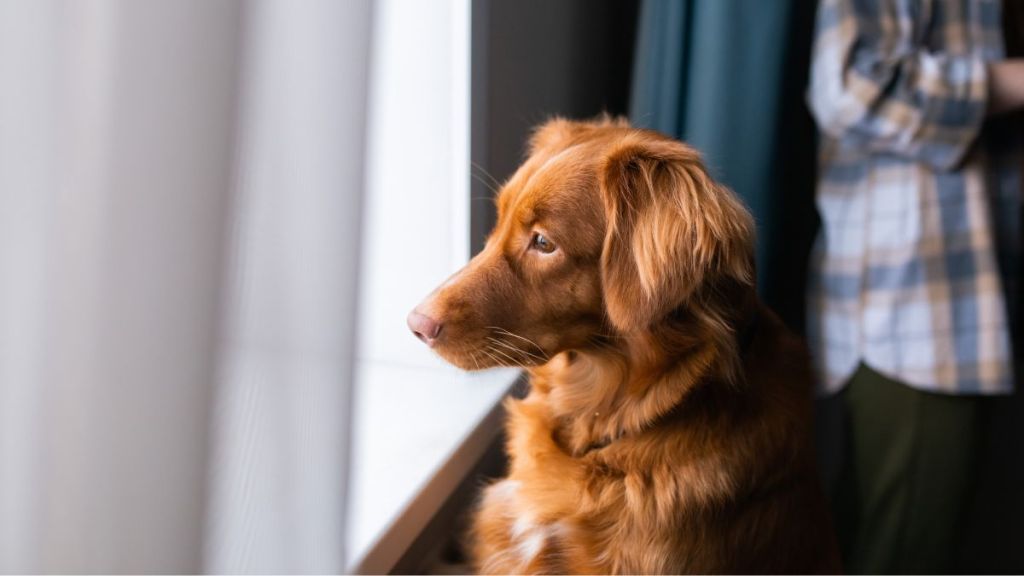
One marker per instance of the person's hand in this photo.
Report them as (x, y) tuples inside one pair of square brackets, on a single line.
[(1006, 85)]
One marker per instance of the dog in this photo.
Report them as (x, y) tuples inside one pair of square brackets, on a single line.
[(668, 427)]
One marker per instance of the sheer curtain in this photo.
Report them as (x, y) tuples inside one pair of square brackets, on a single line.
[(179, 197)]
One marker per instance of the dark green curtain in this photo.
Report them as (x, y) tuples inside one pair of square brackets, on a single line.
[(728, 77)]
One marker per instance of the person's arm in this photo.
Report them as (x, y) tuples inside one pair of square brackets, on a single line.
[(875, 85), (1006, 86)]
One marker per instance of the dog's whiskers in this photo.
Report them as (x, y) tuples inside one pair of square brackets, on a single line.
[(493, 358), (486, 184), (544, 356), (515, 349), (494, 185), (503, 354)]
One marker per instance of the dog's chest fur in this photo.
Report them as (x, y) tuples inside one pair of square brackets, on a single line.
[(557, 513), (721, 472)]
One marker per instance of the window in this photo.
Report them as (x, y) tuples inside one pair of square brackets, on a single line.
[(412, 411)]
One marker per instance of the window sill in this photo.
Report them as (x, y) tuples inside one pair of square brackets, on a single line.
[(418, 432)]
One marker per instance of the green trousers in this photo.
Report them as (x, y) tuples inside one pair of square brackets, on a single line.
[(907, 478)]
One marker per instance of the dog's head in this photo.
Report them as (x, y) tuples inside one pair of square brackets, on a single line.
[(605, 230)]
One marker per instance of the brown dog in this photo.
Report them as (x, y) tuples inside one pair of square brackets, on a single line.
[(668, 428)]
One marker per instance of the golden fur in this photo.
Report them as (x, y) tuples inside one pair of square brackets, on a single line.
[(668, 426)]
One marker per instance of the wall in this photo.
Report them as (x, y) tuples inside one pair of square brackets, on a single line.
[(533, 59)]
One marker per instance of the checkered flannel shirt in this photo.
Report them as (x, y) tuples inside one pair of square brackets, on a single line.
[(915, 269)]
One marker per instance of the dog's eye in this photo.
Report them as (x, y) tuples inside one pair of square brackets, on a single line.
[(541, 243)]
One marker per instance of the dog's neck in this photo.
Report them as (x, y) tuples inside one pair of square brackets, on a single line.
[(630, 382)]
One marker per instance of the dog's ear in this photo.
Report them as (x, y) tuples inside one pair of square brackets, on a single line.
[(671, 228)]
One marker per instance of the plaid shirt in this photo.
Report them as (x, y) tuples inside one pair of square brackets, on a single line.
[(920, 197)]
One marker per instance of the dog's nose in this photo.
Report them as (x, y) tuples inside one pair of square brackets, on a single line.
[(424, 327)]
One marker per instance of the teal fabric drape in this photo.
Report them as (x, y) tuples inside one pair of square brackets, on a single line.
[(727, 77)]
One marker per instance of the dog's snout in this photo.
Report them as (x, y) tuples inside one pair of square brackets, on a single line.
[(424, 327)]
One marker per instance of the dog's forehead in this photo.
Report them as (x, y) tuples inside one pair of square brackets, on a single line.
[(553, 183)]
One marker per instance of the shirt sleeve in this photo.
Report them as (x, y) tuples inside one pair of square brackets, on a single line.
[(876, 85)]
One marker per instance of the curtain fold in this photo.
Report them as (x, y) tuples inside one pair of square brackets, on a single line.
[(178, 258), (283, 398)]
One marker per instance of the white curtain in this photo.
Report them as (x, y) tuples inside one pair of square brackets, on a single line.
[(179, 192)]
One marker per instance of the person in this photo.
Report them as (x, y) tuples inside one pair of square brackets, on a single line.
[(913, 293)]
